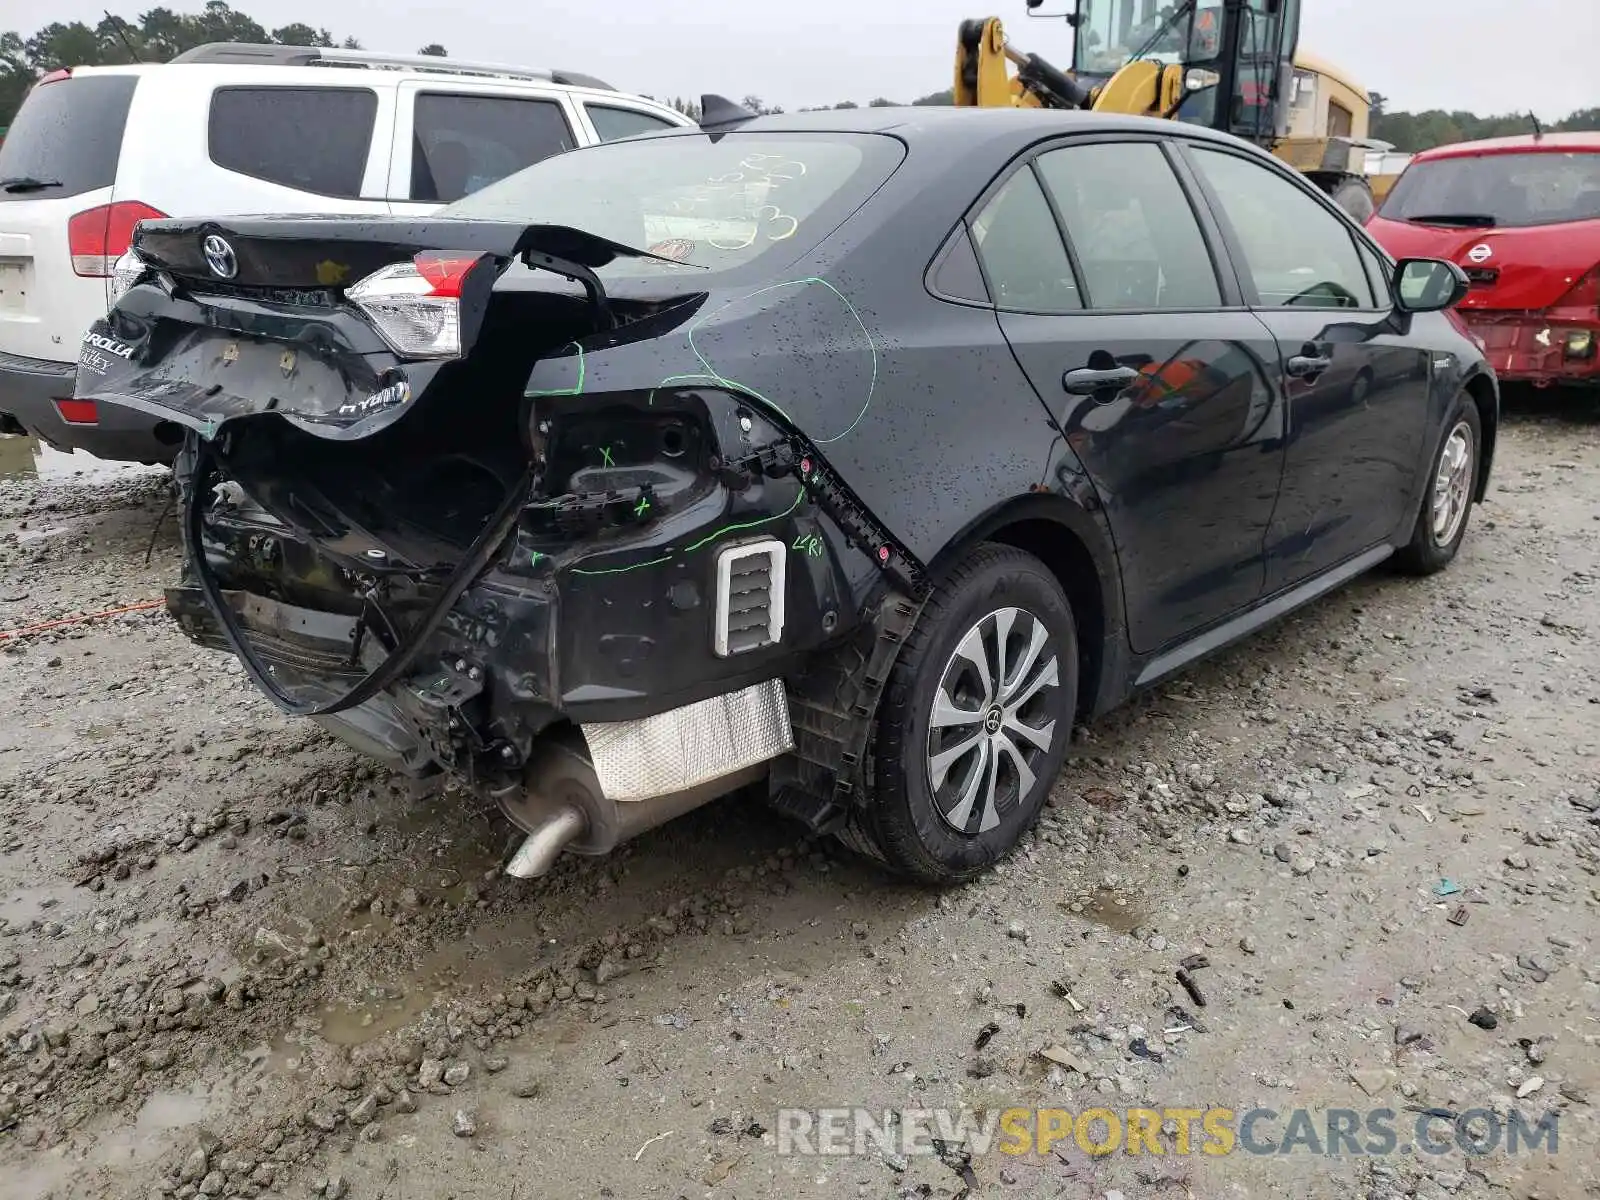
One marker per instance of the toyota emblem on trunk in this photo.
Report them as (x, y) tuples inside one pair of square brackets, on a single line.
[(220, 257)]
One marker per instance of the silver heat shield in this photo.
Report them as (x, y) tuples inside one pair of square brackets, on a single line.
[(689, 746)]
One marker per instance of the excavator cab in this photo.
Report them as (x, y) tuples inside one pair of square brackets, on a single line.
[(1230, 65), (1224, 64)]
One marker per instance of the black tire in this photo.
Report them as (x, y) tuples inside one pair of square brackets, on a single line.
[(1432, 547), (902, 823), (1354, 195)]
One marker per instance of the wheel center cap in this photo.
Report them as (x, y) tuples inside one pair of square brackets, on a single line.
[(992, 722)]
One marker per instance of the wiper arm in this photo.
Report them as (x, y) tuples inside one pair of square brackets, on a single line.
[(27, 183), (1465, 220)]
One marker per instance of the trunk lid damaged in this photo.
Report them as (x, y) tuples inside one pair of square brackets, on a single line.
[(298, 317)]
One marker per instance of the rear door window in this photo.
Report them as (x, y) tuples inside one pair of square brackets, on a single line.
[(312, 139), (613, 123), (67, 136), (462, 143), (1138, 241)]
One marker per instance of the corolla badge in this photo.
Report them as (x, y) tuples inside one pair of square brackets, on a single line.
[(220, 257), (1481, 253)]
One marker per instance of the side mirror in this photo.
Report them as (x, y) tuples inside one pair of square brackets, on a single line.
[(1428, 285)]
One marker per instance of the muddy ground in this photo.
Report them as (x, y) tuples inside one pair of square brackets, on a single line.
[(235, 961)]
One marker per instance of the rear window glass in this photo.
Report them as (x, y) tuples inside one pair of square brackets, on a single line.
[(725, 203), (465, 143), (1541, 188), (68, 136), (310, 139)]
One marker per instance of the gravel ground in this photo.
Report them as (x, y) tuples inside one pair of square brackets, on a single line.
[(235, 961)]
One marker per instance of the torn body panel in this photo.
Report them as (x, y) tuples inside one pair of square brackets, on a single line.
[(599, 507)]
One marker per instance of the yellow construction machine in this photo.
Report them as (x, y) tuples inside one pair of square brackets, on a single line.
[(1233, 65)]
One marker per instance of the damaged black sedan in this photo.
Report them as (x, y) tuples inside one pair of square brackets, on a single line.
[(851, 456)]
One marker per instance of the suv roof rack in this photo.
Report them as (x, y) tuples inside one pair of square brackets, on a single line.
[(261, 54)]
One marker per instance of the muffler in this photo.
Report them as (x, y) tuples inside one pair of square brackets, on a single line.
[(562, 807), (589, 789)]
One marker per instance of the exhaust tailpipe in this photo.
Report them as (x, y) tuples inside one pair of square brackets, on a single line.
[(538, 852)]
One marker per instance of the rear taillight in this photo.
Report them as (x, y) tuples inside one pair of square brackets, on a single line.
[(78, 412), (97, 237), (416, 306), (127, 271)]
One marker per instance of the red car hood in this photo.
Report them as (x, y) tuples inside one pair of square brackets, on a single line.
[(1534, 266)]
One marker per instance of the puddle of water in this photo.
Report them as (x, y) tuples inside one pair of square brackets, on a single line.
[(1106, 908), (357, 1024), (42, 901), (347, 1023), (105, 1143), (28, 458)]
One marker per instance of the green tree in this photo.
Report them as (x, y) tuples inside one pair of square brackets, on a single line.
[(302, 35), (756, 105), (16, 75), (56, 46)]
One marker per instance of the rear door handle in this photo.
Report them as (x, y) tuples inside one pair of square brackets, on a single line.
[(1086, 381), (1307, 366)]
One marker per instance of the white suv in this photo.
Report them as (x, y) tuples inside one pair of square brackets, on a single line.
[(231, 129)]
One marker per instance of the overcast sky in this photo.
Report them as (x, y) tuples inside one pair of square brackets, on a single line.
[(1487, 56)]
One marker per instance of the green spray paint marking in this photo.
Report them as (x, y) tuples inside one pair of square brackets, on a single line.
[(703, 542), (711, 374), (642, 507), (535, 559), (576, 389), (605, 457), (808, 543)]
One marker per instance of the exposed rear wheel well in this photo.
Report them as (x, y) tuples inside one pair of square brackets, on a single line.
[(1481, 389), (1073, 566)]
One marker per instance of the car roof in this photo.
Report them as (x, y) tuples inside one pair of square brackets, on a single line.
[(309, 62), (932, 126), (1528, 143)]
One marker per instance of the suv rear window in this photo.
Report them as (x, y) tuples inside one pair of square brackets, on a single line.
[(1544, 187), (68, 134), (310, 139)]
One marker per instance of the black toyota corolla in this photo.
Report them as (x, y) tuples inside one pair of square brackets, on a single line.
[(852, 457)]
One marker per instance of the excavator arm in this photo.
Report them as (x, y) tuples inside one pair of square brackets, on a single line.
[(984, 80)]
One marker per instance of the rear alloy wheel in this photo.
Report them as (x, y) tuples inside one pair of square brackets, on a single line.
[(975, 720), (1452, 481)]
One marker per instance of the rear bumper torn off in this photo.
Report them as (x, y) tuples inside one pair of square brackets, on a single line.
[(1541, 348)]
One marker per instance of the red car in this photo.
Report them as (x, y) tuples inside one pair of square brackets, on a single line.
[(1521, 216)]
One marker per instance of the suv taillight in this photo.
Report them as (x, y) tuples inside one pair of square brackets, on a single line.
[(97, 237)]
